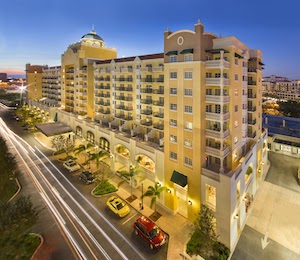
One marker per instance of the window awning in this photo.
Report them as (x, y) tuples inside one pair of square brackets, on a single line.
[(238, 56), (187, 51), (171, 53), (179, 178), (260, 63)]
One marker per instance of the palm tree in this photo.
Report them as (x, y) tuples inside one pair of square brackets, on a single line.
[(82, 148), (129, 175), (154, 192), (98, 157)]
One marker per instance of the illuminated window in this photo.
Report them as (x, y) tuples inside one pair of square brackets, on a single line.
[(210, 196), (188, 143), (188, 126), (173, 138), (173, 122)]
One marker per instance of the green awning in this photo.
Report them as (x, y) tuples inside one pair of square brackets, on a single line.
[(179, 178), (171, 53), (187, 51), (238, 56), (260, 63)]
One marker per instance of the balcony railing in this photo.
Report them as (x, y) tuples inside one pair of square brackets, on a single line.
[(146, 122), (217, 99), (102, 111), (215, 151), (252, 96), (158, 103), (146, 112), (217, 116), (216, 64), (252, 122), (146, 101), (159, 126), (252, 134), (217, 81), (216, 133), (146, 90), (158, 91), (251, 83), (159, 115), (252, 109)]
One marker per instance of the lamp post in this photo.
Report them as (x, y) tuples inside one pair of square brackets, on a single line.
[(142, 206), (22, 88)]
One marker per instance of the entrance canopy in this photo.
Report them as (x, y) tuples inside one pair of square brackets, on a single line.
[(52, 129), (179, 178)]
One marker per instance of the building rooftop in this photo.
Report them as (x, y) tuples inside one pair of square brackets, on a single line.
[(282, 125)]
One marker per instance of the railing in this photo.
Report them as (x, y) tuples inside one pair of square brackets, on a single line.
[(146, 90), (217, 81), (252, 109), (217, 64), (251, 82), (217, 116), (146, 112), (252, 135), (158, 103), (146, 101), (214, 151), (252, 122), (159, 115), (217, 99), (158, 126), (216, 133), (158, 91)]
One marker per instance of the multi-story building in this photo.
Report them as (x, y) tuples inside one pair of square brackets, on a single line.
[(34, 81), (51, 85), (190, 116), (281, 87)]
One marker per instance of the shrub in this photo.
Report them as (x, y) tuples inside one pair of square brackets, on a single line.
[(104, 188)]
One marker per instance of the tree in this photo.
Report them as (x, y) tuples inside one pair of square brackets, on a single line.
[(98, 157), (83, 148), (154, 192), (62, 143), (129, 176)]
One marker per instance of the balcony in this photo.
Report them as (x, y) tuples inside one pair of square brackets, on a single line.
[(216, 133), (82, 101), (251, 83), (146, 90), (149, 80), (119, 97), (146, 69), (102, 87), (102, 103), (158, 91), (82, 71), (123, 116), (126, 70), (252, 122), (252, 96), (158, 80), (252, 134), (146, 122), (102, 78), (107, 95), (252, 109), (128, 98), (217, 99), (217, 151), (217, 81), (104, 111), (217, 64), (217, 116), (158, 69), (159, 126), (146, 101), (252, 70), (159, 115), (146, 112), (82, 93), (158, 103)]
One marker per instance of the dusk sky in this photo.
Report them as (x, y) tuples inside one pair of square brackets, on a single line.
[(38, 32)]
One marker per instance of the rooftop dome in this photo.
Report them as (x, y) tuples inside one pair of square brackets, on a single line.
[(92, 35)]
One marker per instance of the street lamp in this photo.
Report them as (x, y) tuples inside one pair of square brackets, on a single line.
[(22, 88), (142, 206)]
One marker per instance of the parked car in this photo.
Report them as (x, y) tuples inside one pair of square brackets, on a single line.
[(86, 177), (71, 165), (118, 206), (148, 230)]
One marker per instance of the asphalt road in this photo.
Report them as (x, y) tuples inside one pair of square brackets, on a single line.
[(120, 231), (282, 173)]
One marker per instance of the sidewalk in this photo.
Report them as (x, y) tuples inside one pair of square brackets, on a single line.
[(178, 227)]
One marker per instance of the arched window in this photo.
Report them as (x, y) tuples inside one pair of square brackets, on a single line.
[(78, 131), (90, 137), (104, 144)]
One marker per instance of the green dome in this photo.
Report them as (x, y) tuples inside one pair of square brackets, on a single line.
[(92, 35)]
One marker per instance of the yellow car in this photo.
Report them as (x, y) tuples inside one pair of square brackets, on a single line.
[(118, 206)]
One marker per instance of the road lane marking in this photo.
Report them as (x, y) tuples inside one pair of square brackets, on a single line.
[(129, 219)]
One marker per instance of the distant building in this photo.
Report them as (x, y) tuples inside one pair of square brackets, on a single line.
[(34, 81), (3, 76), (281, 87)]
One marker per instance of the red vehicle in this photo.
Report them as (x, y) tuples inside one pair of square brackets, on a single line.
[(148, 230)]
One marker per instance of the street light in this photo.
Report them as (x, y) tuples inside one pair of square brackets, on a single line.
[(22, 88), (142, 206)]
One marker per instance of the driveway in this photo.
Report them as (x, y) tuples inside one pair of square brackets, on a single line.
[(274, 215)]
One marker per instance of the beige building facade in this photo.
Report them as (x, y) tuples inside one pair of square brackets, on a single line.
[(189, 116)]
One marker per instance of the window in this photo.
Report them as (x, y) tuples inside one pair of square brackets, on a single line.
[(173, 138), (188, 57), (188, 143), (173, 107), (208, 75), (173, 91), (173, 75), (188, 92), (236, 124), (236, 92), (173, 58), (236, 77), (208, 108), (90, 137), (173, 156), (188, 126), (210, 196), (236, 62), (236, 108), (188, 109), (188, 161), (217, 75), (173, 122), (218, 109), (188, 75)]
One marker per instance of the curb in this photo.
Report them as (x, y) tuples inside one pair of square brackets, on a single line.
[(17, 192), (40, 245)]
